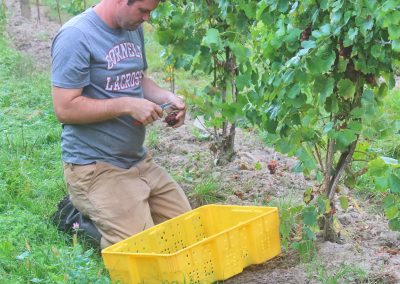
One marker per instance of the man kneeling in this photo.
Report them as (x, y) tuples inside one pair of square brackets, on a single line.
[(111, 178)]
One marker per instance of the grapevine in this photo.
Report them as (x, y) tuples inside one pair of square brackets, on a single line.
[(311, 73)]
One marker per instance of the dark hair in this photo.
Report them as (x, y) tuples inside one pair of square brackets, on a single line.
[(130, 2)]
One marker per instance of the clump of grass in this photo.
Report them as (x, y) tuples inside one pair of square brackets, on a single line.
[(290, 209), (206, 191), (2, 16), (152, 137), (345, 273)]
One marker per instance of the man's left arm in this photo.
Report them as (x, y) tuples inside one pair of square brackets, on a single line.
[(158, 95)]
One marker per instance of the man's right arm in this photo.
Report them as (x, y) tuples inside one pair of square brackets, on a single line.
[(73, 108), (70, 72)]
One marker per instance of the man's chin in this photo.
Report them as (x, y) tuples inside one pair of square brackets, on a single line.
[(132, 27)]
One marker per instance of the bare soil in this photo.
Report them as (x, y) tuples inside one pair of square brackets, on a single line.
[(367, 242)]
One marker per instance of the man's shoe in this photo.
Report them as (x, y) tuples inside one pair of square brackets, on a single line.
[(69, 220)]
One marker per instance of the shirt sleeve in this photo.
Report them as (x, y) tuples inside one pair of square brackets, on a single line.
[(70, 59)]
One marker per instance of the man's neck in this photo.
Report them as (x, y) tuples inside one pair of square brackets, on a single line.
[(105, 10)]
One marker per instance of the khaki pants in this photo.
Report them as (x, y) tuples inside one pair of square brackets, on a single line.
[(123, 202)]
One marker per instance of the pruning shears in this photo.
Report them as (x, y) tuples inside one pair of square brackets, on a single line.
[(165, 106), (162, 106)]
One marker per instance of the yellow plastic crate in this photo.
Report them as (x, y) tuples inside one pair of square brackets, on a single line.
[(210, 243)]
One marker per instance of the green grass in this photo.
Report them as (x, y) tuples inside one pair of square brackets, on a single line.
[(152, 136), (206, 191), (345, 273), (31, 183), (289, 214)]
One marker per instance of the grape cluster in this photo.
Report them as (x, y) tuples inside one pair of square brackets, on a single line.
[(305, 35), (170, 119), (345, 51), (351, 72), (272, 166), (371, 79)]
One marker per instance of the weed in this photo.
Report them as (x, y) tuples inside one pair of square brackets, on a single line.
[(184, 175), (345, 273), (190, 172), (2, 18), (290, 213), (207, 191), (258, 199), (152, 138), (200, 135)]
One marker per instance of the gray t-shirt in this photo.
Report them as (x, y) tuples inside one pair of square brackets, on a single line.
[(106, 63)]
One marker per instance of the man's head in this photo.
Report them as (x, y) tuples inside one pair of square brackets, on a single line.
[(131, 14), (130, 2)]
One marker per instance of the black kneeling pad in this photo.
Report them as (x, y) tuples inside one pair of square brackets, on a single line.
[(67, 215)]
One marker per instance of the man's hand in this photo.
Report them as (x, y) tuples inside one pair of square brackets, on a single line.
[(145, 111), (177, 105), (73, 108), (158, 95)]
